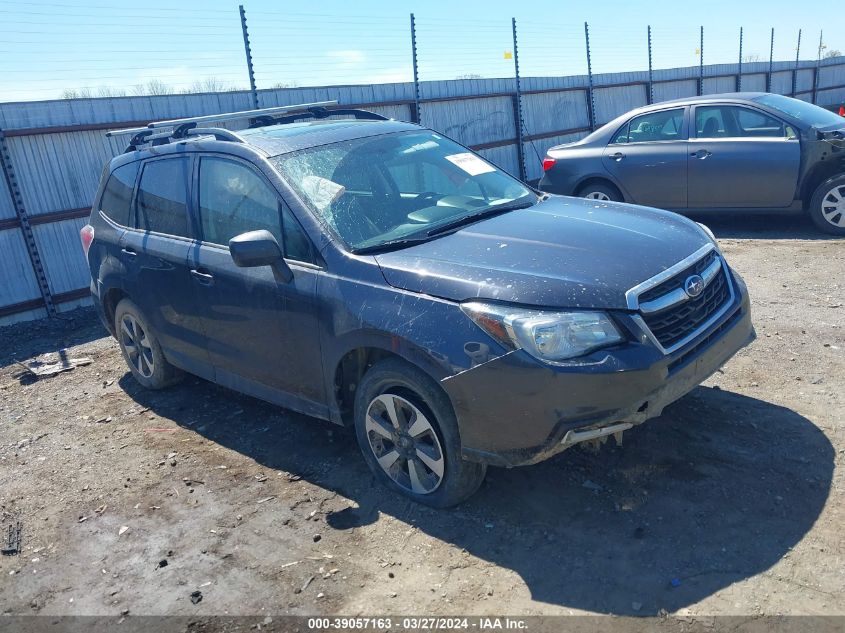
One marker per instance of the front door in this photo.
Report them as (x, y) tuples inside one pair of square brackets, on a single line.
[(648, 158), (261, 331), (741, 157)]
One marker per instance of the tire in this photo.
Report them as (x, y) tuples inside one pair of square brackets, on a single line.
[(417, 402), (141, 349), (602, 191), (827, 206)]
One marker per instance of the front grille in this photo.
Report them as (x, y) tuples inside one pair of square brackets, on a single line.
[(679, 321), (677, 281)]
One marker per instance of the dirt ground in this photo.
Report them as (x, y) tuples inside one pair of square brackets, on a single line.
[(730, 503)]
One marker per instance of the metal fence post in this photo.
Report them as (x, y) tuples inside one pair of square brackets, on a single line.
[(771, 61), (739, 68), (248, 51), (701, 62), (517, 103), (591, 104), (650, 95), (817, 69), (26, 228), (416, 115), (795, 69)]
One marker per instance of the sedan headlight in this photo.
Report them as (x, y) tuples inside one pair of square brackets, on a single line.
[(549, 336)]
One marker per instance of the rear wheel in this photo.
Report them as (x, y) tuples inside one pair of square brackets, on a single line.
[(827, 207), (141, 349), (408, 433), (600, 191)]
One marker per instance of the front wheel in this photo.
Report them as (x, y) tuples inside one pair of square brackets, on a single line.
[(408, 433), (827, 207)]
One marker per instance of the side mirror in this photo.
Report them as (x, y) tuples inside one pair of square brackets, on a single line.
[(259, 248)]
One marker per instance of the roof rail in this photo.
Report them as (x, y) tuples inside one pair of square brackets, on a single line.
[(315, 112), (227, 116)]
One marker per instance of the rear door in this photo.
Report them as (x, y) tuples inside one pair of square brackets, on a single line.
[(262, 332), (648, 158), (741, 157), (155, 253)]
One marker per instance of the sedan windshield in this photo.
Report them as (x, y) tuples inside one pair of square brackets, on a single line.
[(394, 189), (801, 110)]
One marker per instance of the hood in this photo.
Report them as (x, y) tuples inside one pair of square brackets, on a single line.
[(562, 252)]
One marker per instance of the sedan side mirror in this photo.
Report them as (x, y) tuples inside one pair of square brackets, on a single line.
[(259, 248)]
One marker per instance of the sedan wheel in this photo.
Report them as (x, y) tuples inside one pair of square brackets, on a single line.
[(137, 345), (597, 195), (827, 206), (833, 206), (405, 444)]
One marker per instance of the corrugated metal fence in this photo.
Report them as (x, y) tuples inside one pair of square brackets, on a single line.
[(56, 149)]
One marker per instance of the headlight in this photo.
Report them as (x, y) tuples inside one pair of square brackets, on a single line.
[(549, 336)]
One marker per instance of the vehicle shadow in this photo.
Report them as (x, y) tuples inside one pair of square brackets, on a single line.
[(717, 490), (761, 226)]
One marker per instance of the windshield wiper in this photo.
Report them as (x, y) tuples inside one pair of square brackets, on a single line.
[(389, 245), (440, 230), (479, 215)]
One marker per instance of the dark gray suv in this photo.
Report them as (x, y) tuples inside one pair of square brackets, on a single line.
[(377, 274)]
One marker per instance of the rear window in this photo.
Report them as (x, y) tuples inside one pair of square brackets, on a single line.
[(117, 197), (163, 196), (801, 110)]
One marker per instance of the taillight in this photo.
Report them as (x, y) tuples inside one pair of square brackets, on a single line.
[(548, 163), (86, 234)]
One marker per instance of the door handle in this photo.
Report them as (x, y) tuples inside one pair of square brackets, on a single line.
[(128, 250), (701, 154), (204, 278), (617, 156)]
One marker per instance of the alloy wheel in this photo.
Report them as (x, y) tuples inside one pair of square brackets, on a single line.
[(405, 443), (597, 195), (137, 345), (833, 206)]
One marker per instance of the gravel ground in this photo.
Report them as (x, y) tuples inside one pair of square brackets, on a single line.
[(730, 503)]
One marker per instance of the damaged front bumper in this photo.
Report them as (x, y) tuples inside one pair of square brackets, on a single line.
[(514, 411)]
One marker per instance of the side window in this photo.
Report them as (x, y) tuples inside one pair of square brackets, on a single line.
[(736, 122), (666, 125), (162, 201), (709, 122), (235, 199), (117, 196), (754, 123), (622, 135)]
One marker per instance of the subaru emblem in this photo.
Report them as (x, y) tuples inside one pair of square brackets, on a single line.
[(694, 285)]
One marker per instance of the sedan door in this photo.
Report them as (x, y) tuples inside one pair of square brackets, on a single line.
[(741, 157), (262, 332), (648, 158)]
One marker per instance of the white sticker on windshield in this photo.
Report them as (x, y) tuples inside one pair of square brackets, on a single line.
[(471, 163)]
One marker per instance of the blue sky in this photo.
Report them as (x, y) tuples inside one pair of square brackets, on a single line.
[(50, 46)]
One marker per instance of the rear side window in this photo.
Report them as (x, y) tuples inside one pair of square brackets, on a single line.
[(117, 196), (666, 125), (162, 200)]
